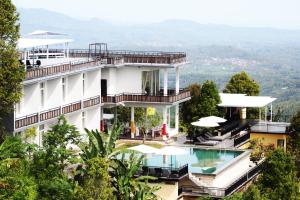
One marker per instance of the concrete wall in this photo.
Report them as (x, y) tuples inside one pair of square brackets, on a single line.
[(129, 80), (30, 102), (268, 139), (74, 88), (92, 83)]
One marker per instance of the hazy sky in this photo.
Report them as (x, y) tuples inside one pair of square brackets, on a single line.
[(257, 13)]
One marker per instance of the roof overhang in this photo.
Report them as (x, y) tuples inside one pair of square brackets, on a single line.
[(243, 101), (24, 43)]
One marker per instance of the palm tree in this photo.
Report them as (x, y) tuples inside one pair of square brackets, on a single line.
[(101, 144), (126, 185)]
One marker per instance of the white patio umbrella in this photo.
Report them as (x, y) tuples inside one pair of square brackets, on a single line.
[(214, 119), (205, 123), (144, 149), (171, 151)]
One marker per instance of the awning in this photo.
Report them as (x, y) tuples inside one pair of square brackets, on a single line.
[(41, 32), (243, 101), (30, 42), (144, 149)]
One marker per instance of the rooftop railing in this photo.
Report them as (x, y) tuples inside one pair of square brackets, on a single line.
[(270, 127)]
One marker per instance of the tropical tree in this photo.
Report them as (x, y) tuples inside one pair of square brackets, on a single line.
[(241, 83), (49, 162), (203, 103), (11, 72), (126, 186), (278, 179), (101, 144), (293, 144), (15, 179), (94, 180)]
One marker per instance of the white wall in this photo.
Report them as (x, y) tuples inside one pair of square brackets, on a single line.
[(129, 80), (93, 83), (30, 102), (74, 88), (53, 97), (93, 118)]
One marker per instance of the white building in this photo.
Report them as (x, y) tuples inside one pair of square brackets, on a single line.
[(80, 83)]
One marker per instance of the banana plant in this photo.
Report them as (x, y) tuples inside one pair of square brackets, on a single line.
[(101, 144)]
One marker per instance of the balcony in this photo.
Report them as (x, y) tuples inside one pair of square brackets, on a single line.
[(40, 72), (270, 127), (127, 97), (55, 112)]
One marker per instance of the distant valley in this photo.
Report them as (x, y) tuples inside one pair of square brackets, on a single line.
[(215, 52)]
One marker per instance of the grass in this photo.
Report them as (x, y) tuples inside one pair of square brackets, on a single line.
[(125, 145)]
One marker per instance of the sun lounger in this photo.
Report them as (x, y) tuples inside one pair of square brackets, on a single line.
[(202, 141)]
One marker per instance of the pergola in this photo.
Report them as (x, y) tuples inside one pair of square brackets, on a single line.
[(243, 101)]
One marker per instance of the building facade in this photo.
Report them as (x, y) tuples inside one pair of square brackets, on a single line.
[(81, 83)]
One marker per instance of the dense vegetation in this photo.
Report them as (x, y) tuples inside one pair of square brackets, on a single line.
[(11, 73), (57, 172)]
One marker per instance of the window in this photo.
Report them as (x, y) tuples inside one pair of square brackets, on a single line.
[(83, 119), (63, 82), (41, 132), (280, 143), (83, 84), (42, 90)]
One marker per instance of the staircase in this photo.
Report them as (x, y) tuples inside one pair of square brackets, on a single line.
[(196, 180)]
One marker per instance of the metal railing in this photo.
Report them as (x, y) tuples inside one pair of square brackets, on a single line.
[(270, 127), (26, 120), (242, 139), (131, 97), (167, 173), (221, 192)]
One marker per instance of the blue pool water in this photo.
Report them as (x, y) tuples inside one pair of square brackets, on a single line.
[(206, 161)]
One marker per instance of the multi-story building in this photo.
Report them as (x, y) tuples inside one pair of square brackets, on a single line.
[(80, 83)]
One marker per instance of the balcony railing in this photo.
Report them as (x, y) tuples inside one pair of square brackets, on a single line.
[(146, 98), (56, 69), (27, 120), (221, 192), (49, 114), (91, 102), (71, 107)]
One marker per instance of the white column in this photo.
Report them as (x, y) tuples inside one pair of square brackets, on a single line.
[(68, 50), (177, 118), (266, 114), (132, 123), (165, 82), (271, 113), (177, 79), (47, 52)]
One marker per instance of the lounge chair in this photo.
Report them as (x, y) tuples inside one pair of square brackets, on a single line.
[(158, 172), (209, 136), (202, 141)]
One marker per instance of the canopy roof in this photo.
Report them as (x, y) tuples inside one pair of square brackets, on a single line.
[(30, 42), (144, 149), (243, 101), (41, 32)]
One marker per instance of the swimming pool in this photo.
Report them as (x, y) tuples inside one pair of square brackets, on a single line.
[(205, 161)]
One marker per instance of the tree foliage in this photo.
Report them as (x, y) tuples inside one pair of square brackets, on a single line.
[(293, 144), (241, 83), (203, 102), (11, 73), (278, 179)]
